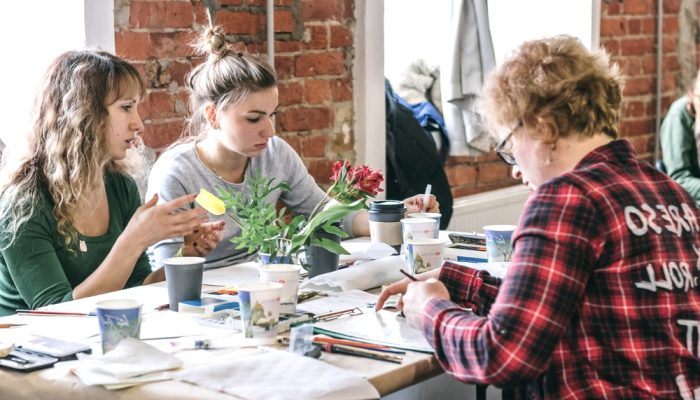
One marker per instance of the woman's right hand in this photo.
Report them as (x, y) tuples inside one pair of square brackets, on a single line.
[(395, 288), (152, 223)]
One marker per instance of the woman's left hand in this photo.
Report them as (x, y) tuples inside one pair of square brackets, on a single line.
[(417, 296), (414, 204), (204, 239)]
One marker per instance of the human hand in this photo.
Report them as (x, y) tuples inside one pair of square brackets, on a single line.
[(152, 223), (414, 204), (395, 288), (204, 239), (417, 296)]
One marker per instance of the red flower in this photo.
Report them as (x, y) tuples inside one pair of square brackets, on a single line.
[(354, 183)]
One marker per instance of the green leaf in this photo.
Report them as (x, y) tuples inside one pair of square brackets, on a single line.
[(330, 245)]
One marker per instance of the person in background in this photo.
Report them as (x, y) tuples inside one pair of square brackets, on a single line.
[(601, 298), (679, 141), (72, 223), (233, 99)]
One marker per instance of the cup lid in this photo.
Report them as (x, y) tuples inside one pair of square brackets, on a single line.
[(387, 206)]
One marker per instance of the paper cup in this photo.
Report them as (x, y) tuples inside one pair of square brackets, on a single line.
[(435, 216), (419, 228), (424, 254), (183, 276), (260, 310), (499, 247), (118, 319), (288, 276)]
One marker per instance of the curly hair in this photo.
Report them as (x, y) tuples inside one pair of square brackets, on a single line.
[(557, 86), (67, 145), (225, 78)]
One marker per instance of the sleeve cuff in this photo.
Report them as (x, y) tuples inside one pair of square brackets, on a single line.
[(432, 315)]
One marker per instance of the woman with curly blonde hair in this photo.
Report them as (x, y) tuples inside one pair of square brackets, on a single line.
[(601, 297), (72, 222)]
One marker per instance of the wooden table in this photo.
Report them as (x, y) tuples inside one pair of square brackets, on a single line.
[(57, 383)]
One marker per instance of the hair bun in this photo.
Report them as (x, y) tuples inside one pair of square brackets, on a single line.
[(217, 42)]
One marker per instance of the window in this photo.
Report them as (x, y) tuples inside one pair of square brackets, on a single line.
[(34, 33)]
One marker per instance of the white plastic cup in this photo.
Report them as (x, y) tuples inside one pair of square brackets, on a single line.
[(288, 276), (499, 246), (260, 310), (424, 254)]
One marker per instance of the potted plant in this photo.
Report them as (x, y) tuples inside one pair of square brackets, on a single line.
[(268, 231)]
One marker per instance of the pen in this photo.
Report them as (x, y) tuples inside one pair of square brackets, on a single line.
[(426, 197), (2, 326), (57, 313), (162, 307), (407, 275)]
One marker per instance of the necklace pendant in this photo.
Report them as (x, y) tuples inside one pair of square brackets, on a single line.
[(83, 246)]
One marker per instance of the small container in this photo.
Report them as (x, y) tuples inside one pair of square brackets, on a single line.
[(385, 222)]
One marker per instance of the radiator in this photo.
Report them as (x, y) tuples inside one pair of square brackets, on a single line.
[(501, 206)]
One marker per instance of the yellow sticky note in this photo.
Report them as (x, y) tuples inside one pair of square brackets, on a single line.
[(210, 202)]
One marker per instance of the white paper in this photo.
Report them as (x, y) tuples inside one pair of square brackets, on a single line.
[(232, 275), (363, 249), (339, 301), (279, 375), (368, 275), (382, 327), (131, 358)]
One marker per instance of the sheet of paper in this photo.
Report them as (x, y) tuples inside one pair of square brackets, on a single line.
[(383, 327), (339, 301), (368, 275), (231, 276)]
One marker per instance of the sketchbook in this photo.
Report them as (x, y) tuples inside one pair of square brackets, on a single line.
[(382, 327)]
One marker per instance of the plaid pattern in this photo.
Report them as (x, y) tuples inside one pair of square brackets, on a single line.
[(602, 299)]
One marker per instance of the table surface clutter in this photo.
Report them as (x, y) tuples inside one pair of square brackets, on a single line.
[(182, 355)]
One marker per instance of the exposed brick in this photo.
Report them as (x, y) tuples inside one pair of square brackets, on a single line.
[(638, 6), (132, 45), (492, 172), (294, 142), (317, 91), (341, 36), (612, 46), (230, 2), (672, 6), (291, 93), (341, 90), (612, 27), (171, 44), (159, 135), (611, 8), (321, 10), (636, 127), (158, 105), (634, 26), (287, 46), (321, 170), (314, 146), (284, 21), (633, 108), (459, 175), (348, 9), (284, 66), (330, 63), (638, 86), (241, 22), (649, 25), (284, 3), (315, 37), (179, 70), (162, 14), (670, 24), (301, 119), (637, 46)]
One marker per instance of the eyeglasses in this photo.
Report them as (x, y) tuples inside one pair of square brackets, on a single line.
[(505, 148)]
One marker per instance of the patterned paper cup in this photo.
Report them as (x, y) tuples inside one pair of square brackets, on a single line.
[(260, 310), (435, 216), (419, 228), (424, 254), (288, 276), (498, 242), (118, 319)]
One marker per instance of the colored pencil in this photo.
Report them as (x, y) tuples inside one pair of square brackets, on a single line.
[(54, 313)]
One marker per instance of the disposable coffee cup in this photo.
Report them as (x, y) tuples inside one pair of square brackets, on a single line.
[(435, 216), (260, 310), (424, 254), (118, 319), (499, 246), (385, 222), (288, 276), (183, 276), (419, 228)]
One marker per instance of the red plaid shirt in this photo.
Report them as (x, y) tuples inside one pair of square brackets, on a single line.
[(602, 298)]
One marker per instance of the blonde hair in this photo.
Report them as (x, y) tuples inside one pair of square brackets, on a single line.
[(557, 86), (225, 78), (67, 145)]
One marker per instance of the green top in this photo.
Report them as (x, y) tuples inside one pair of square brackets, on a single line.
[(38, 270), (680, 153)]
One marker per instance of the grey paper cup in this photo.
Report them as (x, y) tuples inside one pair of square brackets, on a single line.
[(183, 276)]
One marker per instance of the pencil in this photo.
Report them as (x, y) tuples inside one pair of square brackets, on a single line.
[(371, 346), (366, 353), (3, 326), (409, 276)]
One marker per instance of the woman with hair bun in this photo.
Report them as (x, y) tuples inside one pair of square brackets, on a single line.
[(233, 101), (72, 223)]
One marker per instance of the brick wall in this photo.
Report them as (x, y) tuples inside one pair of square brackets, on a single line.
[(313, 59), (314, 55)]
